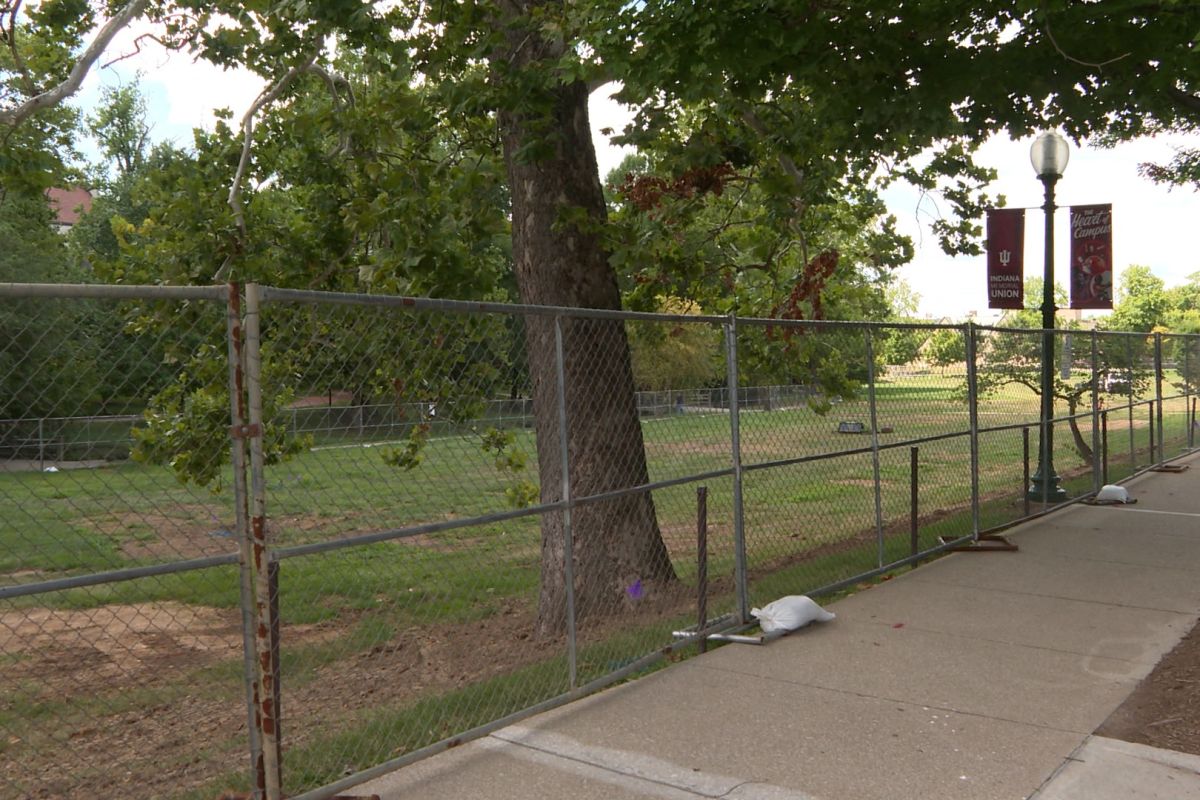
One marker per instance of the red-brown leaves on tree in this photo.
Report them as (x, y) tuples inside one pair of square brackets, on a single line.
[(806, 293), (646, 192)]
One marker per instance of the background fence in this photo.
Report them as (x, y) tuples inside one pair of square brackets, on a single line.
[(279, 541)]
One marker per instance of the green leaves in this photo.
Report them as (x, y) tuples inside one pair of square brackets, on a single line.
[(409, 455), (186, 425), (511, 459)]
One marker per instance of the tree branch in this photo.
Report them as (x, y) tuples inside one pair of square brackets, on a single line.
[(269, 95), (11, 36), (797, 174), (167, 43), (1069, 57), (336, 84), (137, 48), (68, 87), (1189, 101)]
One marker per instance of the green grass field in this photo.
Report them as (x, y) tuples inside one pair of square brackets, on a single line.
[(80, 521)]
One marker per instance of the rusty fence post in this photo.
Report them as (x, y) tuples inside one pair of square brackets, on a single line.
[(264, 624), (238, 427)]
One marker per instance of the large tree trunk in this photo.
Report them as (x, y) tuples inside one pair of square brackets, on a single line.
[(558, 212)]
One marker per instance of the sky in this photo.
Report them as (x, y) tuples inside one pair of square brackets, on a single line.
[(1152, 225)]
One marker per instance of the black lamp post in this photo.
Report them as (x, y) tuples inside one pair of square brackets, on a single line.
[(1049, 156)]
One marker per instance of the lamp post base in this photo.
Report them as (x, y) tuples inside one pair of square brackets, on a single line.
[(1038, 491)]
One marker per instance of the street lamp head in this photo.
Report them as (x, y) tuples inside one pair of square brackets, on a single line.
[(1049, 155)]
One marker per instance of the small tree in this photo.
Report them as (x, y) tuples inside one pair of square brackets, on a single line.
[(675, 355), (1142, 300), (899, 346), (945, 347), (1014, 358)]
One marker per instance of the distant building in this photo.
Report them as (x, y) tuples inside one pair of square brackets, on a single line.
[(68, 206)]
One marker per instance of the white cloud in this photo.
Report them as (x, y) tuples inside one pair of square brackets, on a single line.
[(605, 112), (181, 91)]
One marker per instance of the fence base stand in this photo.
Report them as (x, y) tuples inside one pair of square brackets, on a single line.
[(986, 542), (729, 638), (246, 796), (1171, 468), (733, 638)]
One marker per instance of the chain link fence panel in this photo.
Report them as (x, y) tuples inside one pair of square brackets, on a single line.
[(121, 636), (344, 531)]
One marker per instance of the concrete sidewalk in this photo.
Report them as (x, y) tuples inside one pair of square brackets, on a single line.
[(981, 675)]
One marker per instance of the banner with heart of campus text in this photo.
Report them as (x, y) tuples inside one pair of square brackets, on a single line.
[(1091, 256)]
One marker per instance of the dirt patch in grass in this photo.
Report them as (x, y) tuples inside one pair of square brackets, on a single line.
[(123, 700), (1164, 710), (187, 531), (120, 647), (680, 539), (146, 701)]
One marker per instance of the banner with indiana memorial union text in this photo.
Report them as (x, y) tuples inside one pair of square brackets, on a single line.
[(1005, 251), (1091, 256)]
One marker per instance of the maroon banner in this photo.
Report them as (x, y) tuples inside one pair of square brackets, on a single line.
[(1091, 257), (1006, 262)]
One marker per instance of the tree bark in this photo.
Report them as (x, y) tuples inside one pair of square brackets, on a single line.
[(558, 212), (1081, 445)]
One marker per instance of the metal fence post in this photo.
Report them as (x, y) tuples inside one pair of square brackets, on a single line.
[(1158, 393), (1104, 447), (1150, 423), (1129, 393), (1025, 461), (237, 415), (1187, 391), (560, 371), (875, 472), (970, 334), (702, 566), (914, 499), (264, 645), (739, 530), (1096, 469)]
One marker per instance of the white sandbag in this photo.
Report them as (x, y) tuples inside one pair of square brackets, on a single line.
[(789, 613), (1113, 494)]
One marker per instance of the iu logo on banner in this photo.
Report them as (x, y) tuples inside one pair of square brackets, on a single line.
[(1091, 257), (1005, 252)]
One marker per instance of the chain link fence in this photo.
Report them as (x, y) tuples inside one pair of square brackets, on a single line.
[(277, 542)]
